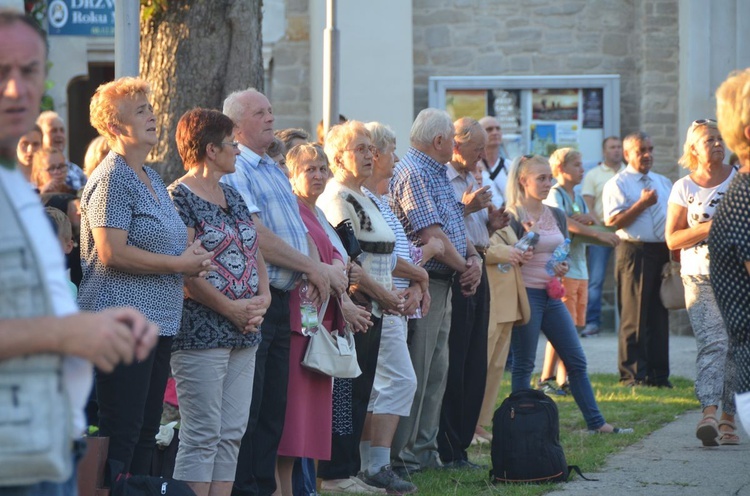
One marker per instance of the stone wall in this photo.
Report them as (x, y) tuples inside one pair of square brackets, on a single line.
[(637, 39)]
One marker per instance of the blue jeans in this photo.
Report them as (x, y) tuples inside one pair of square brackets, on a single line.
[(551, 317), (598, 259)]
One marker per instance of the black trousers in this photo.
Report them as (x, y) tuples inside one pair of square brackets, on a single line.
[(130, 405), (345, 459), (256, 462), (643, 348), (467, 370)]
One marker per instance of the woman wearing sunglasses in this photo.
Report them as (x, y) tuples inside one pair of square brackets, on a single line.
[(692, 205)]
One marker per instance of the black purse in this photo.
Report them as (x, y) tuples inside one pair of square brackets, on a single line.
[(348, 239)]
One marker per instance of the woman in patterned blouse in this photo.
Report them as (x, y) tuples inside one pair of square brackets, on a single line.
[(729, 237), (134, 252), (213, 354)]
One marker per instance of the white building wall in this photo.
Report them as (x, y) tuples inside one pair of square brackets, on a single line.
[(376, 67), (713, 42)]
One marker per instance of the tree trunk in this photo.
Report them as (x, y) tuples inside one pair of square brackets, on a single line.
[(194, 53)]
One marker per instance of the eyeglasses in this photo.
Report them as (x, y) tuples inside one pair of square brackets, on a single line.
[(702, 122), (233, 144), (362, 148), (57, 167), (489, 129)]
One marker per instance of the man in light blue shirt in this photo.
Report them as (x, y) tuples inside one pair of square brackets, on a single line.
[(284, 243)]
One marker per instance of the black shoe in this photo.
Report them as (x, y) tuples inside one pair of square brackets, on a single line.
[(405, 472), (550, 387), (387, 479), (462, 464)]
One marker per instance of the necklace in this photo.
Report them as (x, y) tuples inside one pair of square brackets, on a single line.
[(221, 202)]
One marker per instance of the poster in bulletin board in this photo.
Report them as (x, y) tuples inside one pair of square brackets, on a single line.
[(538, 114)]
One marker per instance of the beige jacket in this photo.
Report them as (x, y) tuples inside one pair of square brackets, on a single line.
[(509, 302)]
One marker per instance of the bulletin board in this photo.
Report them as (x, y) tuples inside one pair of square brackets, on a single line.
[(538, 114)]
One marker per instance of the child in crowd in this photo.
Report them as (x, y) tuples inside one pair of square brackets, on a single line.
[(64, 231), (567, 169)]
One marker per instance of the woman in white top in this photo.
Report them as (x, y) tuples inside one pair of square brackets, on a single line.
[(692, 204)]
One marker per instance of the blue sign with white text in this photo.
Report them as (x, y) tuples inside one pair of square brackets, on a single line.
[(81, 17)]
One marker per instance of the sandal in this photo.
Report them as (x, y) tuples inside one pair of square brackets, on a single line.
[(728, 437), (708, 431)]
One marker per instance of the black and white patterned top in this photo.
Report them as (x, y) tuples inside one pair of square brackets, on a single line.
[(231, 235), (729, 249), (115, 197)]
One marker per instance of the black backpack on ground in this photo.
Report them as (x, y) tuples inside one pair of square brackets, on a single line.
[(526, 440)]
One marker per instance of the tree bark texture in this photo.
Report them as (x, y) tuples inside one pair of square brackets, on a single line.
[(194, 53)]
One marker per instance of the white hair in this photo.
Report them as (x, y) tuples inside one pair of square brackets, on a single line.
[(234, 107), (382, 135), (429, 124)]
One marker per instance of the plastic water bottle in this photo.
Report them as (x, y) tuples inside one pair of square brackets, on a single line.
[(307, 309), (558, 256), (524, 244)]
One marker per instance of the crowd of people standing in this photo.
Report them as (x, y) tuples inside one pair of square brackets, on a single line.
[(203, 280)]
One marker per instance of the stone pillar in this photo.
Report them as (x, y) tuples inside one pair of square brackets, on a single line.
[(659, 50), (713, 42)]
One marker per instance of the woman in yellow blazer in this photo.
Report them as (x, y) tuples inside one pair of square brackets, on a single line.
[(509, 306)]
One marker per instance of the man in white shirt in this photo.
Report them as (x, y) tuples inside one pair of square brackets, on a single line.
[(635, 201), (107, 338), (495, 161), (598, 256)]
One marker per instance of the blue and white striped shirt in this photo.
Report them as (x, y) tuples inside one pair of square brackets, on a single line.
[(267, 192)]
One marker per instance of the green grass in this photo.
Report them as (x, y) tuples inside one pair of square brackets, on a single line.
[(644, 409)]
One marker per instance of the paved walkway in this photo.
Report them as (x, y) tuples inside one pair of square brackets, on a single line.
[(671, 460)]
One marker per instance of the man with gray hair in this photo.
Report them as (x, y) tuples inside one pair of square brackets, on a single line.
[(53, 136), (467, 344), (284, 242), (424, 202)]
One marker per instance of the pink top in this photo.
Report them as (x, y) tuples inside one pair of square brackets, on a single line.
[(534, 274)]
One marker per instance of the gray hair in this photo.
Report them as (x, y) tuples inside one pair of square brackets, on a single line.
[(47, 116), (233, 104), (631, 139), (288, 135), (466, 129), (382, 135), (429, 124)]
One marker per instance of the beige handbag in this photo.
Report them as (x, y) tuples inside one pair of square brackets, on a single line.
[(672, 292), (332, 353)]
